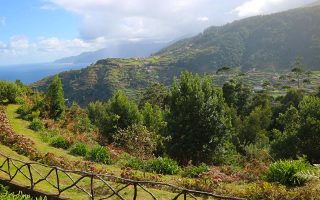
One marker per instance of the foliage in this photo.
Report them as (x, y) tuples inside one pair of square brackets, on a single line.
[(260, 43), (286, 143), (33, 107), (254, 127), (78, 119), (155, 95), (18, 143), (197, 121), (195, 171), (47, 135), (285, 172), (153, 118), (6, 195), (126, 160), (36, 125), (237, 95), (266, 191), (292, 98), (54, 99), (118, 113), (298, 69), (163, 166), (309, 131), (60, 142), (226, 154), (99, 154), (79, 149), (136, 140), (9, 92)]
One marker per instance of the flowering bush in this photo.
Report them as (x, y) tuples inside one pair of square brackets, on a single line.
[(18, 143)]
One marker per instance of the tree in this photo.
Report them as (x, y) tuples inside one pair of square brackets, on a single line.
[(136, 140), (197, 121), (153, 118), (155, 95), (309, 131), (286, 142), (224, 69), (238, 96), (54, 99), (118, 113), (254, 128), (298, 69), (292, 98), (9, 92), (301, 135), (261, 99), (230, 93)]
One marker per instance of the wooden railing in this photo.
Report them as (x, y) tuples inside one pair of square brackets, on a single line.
[(92, 185)]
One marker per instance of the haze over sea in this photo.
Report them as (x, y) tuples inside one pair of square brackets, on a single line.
[(29, 73)]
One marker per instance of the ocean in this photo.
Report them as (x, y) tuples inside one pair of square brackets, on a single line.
[(29, 73)]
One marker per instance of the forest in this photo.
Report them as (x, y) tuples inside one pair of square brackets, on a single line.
[(229, 139)]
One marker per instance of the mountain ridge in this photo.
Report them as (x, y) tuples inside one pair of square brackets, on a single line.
[(120, 50), (267, 43)]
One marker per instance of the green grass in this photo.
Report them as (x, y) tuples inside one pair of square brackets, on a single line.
[(46, 188), (21, 127)]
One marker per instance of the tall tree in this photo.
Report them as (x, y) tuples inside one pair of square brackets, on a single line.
[(298, 69), (155, 95), (309, 132), (198, 121), (153, 118), (55, 99), (118, 113)]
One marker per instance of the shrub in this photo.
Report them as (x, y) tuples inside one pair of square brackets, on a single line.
[(36, 125), (136, 140), (23, 110), (5, 194), (99, 154), (126, 160), (47, 135), (79, 149), (60, 142), (9, 92), (195, 171), (163, 166), (286, 172)]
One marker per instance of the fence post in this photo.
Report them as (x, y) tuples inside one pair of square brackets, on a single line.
[(135, 191), (58, 181), (92, 190), (31, 177), (9, 171)]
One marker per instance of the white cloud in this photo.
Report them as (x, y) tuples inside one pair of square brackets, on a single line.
[(203, 19), (256, 7), (162, 19), (20, 49), (48, 7), (18, 43), (146, 19), (2, 46)]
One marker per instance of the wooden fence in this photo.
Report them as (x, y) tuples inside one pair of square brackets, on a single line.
[(94, 186)]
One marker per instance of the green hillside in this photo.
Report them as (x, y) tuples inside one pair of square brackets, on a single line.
[(264, 43), (267, 43)]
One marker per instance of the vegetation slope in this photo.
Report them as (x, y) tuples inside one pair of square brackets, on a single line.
[(265, 43)]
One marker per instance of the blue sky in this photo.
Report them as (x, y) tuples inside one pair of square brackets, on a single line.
[(33, 31), (23, 17)]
